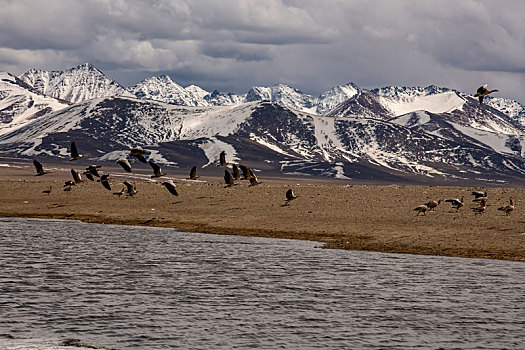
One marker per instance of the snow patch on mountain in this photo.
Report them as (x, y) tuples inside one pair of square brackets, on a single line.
[(436, 103)]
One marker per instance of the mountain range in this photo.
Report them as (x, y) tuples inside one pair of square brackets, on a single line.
[(394, 134)]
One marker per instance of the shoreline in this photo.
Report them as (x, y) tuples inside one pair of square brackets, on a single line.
[(355, 217)]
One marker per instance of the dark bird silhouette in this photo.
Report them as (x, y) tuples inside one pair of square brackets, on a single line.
[(479, 196), (93, 170), (290, 196), (193, 173), (253, 179), (76, 176), (156, 169), (222, 159), (170, 185), (421, 209), (456, 203), (74, 152), (246, 172), (131, 189), (138, 152), (481, 208), (228, 178), (48, 191), (433, 205), (120, 193), (124, 163), (482, 92), (508, 208), (104, 180), (235, 172), (69, 183), (88, 175), (39, 168)]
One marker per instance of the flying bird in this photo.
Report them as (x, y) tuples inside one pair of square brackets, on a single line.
[(104, 180), (156, 169), (39, 168), (246, 172), (93, 170), (433, 205), (228, 178), (89, 176), (456, 203), (131, 189), (138, 152), (222, 159), (290, 196), (421, 209), (235, 172), (482, 92), (479, 196), (170, 185), (193, 173), (508, 208), (76, 176), (253, 180), (124, 163), (74, 152)]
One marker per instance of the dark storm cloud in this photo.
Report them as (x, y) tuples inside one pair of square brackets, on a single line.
[(312, 45)]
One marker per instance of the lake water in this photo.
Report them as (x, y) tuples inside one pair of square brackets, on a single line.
[(129, 287)]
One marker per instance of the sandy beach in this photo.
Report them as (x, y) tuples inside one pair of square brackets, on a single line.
[(360, 217)]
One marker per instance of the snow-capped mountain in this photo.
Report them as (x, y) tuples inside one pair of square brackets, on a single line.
[(76, 84), (19, 104), (269, 137), (346, 132), (163, 89)]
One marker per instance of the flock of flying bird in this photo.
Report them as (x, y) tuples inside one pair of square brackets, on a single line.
[(138, 152), (229, 178), (480, 197)]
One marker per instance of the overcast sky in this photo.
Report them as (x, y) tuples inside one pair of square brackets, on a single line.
[(312, 45)]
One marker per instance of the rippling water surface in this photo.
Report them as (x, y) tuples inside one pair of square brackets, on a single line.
[(131, 287)]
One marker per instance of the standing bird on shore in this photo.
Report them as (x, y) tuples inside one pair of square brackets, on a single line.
[(76, 176), (93, 170), (48, 191), (456, 203), (193, 173), (481, 208), (156, 169), (131, 189), (508, 208), (170, 185), (104, 180), (74, 152), (290, 196), (124, 163), (482, 92), (235, 172), (421, 209), (138, 152), (222, 159), (433, 205), (39, 168)]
